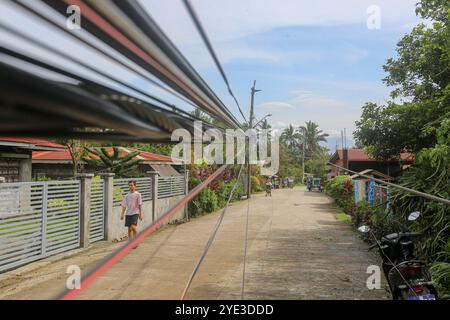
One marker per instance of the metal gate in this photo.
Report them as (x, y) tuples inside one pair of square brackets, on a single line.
[(97, 218), (38, 219)]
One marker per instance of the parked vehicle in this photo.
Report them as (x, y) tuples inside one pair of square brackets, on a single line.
[(408, 278), (315, 183)]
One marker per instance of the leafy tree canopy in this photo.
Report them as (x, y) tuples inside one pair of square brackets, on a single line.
[(420, 77)]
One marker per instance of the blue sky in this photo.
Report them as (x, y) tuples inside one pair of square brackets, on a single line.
[(313, 60)]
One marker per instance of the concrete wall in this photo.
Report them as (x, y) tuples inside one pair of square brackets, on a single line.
[(165, 204), (118, 231)]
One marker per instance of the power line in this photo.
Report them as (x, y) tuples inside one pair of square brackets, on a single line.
[(120, 253), (244, 263), (211, 238), (44, 15), (205, 38)]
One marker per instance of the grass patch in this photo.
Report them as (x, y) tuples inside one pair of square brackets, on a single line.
[(342, 216)]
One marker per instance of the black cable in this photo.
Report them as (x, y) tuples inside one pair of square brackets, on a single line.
[(35, 9), (205, 38), (105, 53), (211, 238), (150, 28), (91, 83)]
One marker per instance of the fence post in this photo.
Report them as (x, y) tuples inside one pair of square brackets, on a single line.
[(186, 191), (85, 207), (371, 193), (108, 185), (154, 175)]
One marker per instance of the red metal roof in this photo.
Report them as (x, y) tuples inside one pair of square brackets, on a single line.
[(34, 141), (56, 156), (362, 155)]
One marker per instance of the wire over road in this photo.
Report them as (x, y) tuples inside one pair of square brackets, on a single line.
[(208, 44), (118, 255), (211, 238)]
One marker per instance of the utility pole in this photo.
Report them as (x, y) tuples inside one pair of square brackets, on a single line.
[(303, 156), (249, 176)]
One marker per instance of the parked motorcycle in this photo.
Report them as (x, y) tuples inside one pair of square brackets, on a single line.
[(408, 278)]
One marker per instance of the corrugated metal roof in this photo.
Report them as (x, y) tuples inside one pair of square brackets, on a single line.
[(362, 155), (34, 142), (62, 156)]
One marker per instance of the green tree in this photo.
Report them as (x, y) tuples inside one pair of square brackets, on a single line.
[(420, 77), (288, 164), (312, 136), (317, 165), (291, 138), (101, 160)]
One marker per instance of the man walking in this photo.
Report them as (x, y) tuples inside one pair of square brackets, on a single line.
[(132, 205)]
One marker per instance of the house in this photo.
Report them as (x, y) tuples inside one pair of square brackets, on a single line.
[(15, 157), (59, 165), (358, 160)]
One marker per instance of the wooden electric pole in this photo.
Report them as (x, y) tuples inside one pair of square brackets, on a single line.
[(249, 176)]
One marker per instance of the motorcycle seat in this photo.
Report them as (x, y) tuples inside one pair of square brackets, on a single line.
[(390, 237)]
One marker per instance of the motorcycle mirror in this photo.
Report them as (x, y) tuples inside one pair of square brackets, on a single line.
[(364, 229), (413, 216)]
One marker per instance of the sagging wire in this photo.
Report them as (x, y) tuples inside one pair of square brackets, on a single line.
[(30, 6), (244, 262), (211, 238), (120, 253), (210, 48)]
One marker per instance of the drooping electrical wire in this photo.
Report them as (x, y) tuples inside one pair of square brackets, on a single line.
[(208, 44), (211, 238), (37, 9)]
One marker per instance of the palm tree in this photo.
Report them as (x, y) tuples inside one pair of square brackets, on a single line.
[(312, 136), (291, 137)]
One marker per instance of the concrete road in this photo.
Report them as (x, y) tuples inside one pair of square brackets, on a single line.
[(296, 250)]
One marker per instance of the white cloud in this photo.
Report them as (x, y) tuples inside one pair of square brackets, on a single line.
[(309, 99), (232, 19), (275, 105)]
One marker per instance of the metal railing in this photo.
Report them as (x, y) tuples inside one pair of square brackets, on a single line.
[(171, 186), (38, 219)]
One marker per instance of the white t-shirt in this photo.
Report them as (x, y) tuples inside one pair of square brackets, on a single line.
[(132, 201)]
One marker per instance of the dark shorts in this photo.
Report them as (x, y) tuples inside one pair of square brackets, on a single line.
[(131, 219)]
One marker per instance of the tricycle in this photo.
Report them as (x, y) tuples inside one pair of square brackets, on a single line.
[(314, 183)]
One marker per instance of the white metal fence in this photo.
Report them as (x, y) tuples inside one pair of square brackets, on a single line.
[(171, 186), (97, 218), (143, 185), (38, 219)]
